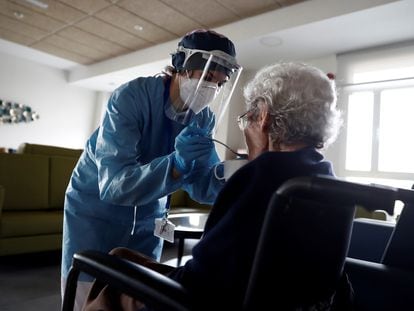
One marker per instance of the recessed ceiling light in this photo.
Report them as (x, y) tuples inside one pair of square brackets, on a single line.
[(38, 3), (18, 15), (138, 27), (271, 41)]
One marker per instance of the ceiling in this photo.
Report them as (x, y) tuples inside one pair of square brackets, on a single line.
[(97, 42), (90, 31)]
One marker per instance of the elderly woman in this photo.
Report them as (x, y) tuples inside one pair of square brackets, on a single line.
[(291, 114)]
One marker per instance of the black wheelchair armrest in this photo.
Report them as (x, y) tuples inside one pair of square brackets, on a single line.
[(148, 286)]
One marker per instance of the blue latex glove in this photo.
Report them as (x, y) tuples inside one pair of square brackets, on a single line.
[(202, 166), (205, 120), (192, 146)]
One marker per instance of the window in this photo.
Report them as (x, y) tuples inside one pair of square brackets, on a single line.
[(377, 97), (359, 131), (396, 129), (380, 137), (379, 131)]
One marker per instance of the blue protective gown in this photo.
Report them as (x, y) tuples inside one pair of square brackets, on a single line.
[(121, 181)]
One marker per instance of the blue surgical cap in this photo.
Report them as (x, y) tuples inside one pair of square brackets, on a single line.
[(202, 39)]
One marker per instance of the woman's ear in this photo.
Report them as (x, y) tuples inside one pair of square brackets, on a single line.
[(264, 117), (257, 136)]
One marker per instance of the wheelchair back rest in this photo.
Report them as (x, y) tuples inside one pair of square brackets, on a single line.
[(301, 251)]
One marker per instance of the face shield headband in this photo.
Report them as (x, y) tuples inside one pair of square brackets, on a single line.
[(221, 58), (208, 79)]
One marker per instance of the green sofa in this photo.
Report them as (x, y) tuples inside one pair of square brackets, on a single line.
[(32, 187), (33, 182), (182, 203)]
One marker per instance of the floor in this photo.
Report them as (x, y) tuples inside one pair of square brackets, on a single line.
[(32, 282)]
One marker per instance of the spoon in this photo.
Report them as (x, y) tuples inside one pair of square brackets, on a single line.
[(241, 155)]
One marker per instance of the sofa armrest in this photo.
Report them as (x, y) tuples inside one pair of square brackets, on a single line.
[(48, 150)]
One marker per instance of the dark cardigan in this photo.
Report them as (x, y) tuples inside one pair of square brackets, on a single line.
[(219, 269)]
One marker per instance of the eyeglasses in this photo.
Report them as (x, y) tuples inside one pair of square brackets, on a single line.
[(243, 120)]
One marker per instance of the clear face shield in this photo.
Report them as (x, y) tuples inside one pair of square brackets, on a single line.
[(212, 85)]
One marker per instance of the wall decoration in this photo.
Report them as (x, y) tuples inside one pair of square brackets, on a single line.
[(16, 113)]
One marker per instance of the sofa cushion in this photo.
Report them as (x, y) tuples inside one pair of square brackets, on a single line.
[(30, 244), (15, 224), (25, 179), (179, 198), (60, 171), (361, 212), (1, 198), (182, 203), (202, 207)]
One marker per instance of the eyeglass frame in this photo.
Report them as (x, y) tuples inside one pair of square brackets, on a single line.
[(242, 119)]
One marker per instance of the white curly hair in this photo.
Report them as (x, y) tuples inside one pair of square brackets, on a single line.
[(301, 100)]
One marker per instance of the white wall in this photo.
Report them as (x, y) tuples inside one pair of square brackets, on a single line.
[(68, 114)]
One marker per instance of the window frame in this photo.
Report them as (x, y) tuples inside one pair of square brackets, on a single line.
[(375, 87)]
